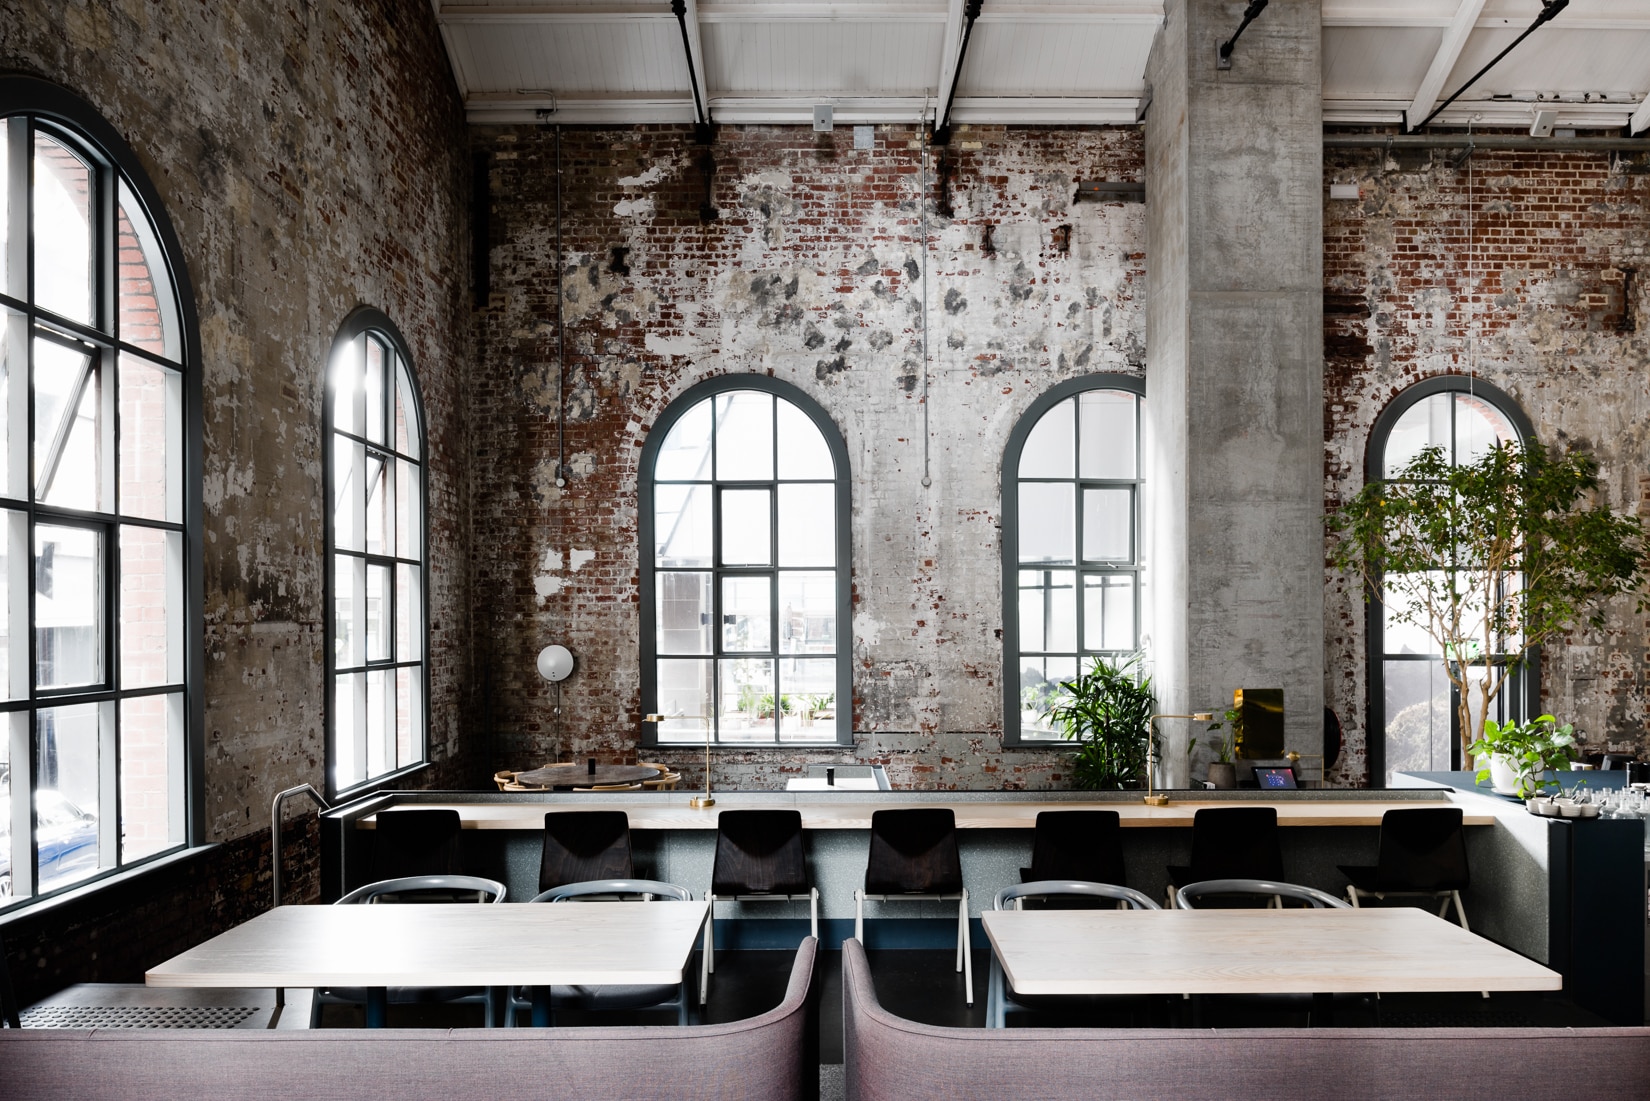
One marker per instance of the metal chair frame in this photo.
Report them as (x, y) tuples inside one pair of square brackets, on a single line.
[(707, 960), (1186, 897), (998, 998)]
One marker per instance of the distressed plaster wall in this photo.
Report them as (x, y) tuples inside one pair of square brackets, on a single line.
[(311, 156), (814, 272), (1512, 267)]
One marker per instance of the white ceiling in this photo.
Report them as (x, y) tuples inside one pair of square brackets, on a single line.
[(1028, 61)]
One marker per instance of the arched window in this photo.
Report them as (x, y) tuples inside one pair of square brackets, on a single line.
[(744, 569), (100, 506), (1071, 542), (376, 636), (1412, 706)]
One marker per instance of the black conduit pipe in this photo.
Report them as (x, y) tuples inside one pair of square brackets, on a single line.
[(942, 132), (1548, 10)]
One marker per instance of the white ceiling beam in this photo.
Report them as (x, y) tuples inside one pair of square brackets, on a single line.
[(481, 15), (1443, 62), (797, 110), (1640, 121), (948, 52), (696, 55), (1494, 112)]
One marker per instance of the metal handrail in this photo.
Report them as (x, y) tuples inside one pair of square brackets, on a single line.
[(275, 831)]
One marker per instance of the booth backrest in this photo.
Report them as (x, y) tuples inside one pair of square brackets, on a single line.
[(893, 1059), (769, 1056)]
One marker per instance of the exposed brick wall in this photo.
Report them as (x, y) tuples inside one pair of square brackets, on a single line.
[(812, 273), (1536, 301), (312, 158)]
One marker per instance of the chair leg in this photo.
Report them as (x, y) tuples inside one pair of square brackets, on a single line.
[(859, 916), (962, 948), (1459, 911), (995, 1011), (1352, 896), (813, 911), (710, 933), (704, 956)]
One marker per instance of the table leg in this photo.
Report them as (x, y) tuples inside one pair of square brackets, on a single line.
[(378, 1001)]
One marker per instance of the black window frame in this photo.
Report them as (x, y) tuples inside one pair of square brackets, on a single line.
[(647, 569), (70, 120), (1523, 692), (1013, 734), (368, 322)]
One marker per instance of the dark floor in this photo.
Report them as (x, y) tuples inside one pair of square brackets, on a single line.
[(922, 986)]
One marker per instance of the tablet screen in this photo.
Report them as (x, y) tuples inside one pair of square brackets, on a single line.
[(1275, 777)]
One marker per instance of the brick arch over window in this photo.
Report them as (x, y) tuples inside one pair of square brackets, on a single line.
[(1412, 710), (100, 505), (744, 553)]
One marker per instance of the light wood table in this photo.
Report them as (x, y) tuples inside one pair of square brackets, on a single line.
[(551, 944), (835, 812), (1325, 951)]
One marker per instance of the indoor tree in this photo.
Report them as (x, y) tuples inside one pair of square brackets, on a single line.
[(1107, 711), (1491, 558)]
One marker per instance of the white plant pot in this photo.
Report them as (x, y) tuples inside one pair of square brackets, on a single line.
[(1502, 777)]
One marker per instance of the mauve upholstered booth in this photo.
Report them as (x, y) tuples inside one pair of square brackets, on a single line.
[(893, 1059), (772, 1056)]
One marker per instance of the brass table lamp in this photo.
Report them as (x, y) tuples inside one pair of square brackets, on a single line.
[(1159, 799), (698, 802)]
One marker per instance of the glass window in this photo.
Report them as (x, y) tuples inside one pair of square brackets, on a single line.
[(1071, 543), (376, 580), (99, 397), (1412, 708), (744, 509)]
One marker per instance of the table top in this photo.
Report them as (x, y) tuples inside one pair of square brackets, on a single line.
[(1251, 952), (549, 944), (834, 812), (577, 775)]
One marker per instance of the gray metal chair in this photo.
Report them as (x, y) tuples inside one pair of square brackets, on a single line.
[(422, 890), (545, 1001), (998, 1000), (1187, 897)]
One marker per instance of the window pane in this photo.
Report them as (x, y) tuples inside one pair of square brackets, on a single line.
[(6, 127), (1050, 447), (807, 524), (409, 513), (807, 688), (379, 605), (685, 454), (1404, 638), (744, 436), (1106, 428), (14, 609), (67, 743), (409, 716), (747, 701), (348, 524), (1048, 522), (682, 525), (380, 731), (409, 613), (684, 691), (1108, 612), (349, 643), (1040, 680), (746, 527), (1048, 610), (807, 613), (68, 606), (1424, 424), (1108, 525), (408, 433), (378, 502), (65, 426), (1418, 735), (1479, 426), (62, 216), (151, 445), (803, 453), (377, 361), (148, 315), (151, 775), (14, 404), (684, 617), (746, 615), (348, 386), (151, 607), (348, 722)]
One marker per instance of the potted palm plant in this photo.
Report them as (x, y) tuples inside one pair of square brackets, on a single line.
[(1518, 754), (1107, 711)]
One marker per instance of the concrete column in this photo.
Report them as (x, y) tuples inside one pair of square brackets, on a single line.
[(1234, 364)]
